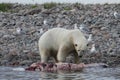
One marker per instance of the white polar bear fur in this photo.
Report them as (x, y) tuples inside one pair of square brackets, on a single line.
[(59, 42)]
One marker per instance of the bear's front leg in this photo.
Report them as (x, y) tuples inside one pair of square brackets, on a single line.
[(76, 58)]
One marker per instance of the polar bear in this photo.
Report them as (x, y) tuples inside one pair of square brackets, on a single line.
[(59, 43)]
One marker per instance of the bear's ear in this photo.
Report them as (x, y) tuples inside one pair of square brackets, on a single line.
[(75, 44)]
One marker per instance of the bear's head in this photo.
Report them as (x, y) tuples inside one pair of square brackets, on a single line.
[(80, 42)]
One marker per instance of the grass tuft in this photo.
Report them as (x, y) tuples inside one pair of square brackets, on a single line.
[(67, 8), (49, 5), (33, 6), (4, 7)]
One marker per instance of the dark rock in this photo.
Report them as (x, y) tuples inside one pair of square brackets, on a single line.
[(33, 11)]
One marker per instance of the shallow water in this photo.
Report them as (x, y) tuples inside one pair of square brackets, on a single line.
[(7, 73)]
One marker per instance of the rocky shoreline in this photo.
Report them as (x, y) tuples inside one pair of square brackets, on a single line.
[(22, 48)]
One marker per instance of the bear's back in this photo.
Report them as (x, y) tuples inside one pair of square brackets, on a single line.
[(53, 37), (54, 33)]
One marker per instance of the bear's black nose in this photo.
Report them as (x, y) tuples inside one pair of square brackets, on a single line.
[(82, 51)]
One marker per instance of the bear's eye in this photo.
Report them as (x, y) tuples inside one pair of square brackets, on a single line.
[(75, 44)]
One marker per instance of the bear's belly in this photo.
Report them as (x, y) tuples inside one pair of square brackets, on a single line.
[(53, 52)]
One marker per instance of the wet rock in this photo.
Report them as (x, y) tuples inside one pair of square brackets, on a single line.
[(4, 62), (26, 62)]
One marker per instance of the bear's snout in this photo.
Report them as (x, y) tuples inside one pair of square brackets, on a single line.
[(81, 52)]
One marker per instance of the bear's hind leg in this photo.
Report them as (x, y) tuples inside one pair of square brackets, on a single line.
[(62, 54), (44, 56)]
